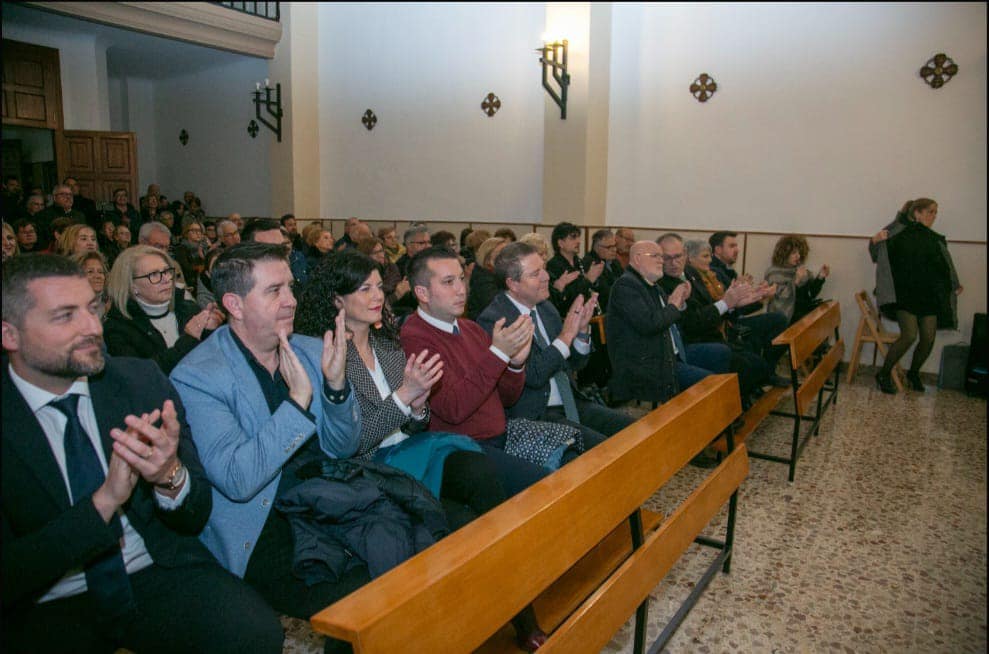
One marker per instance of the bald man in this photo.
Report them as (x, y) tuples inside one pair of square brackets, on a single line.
[(648, 357)]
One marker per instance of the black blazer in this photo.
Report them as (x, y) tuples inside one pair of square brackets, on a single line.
[(640, 345), (137, 337), (543, 362), (43, 535), (701, 322)]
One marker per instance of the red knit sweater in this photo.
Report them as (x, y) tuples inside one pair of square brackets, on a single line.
[(476, 385)]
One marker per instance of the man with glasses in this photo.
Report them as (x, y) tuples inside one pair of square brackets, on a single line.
[(624, 238), (61, 208), (648, 355), (604, 250), (416, 239), (83, 204)]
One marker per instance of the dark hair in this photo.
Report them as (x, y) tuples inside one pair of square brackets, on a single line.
[(669, 236), (464, 233), (508, 263), (234, 269), (506, 232), (18, 272), (418, 272), (334, 277), (442, 237), (62, 223), (717, 239), (287, 217), (367, 244), (786, 245), (259, 225), (24, 222), (599, 236), (560, 232)]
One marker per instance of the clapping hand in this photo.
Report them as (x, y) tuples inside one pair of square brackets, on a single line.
[(334, 361), (421, 374), (680, 294), (594, 271), (564, 280), (514, 338), (298, 382)]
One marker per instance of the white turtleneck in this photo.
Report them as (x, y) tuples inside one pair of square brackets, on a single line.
[(162, 319)]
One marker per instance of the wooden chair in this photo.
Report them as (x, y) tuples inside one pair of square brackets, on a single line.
[(870, 330)]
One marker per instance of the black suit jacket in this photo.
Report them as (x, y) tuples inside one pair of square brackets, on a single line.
[(701, 321), (640, 344), (137, 337), (543, 362), (44, 536)]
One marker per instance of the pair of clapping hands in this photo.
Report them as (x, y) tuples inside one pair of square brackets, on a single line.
[(515, 339)]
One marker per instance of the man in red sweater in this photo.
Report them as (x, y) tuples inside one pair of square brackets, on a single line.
[(481, 374)]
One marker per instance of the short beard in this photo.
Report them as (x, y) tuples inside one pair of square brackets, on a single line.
[(69, 367)]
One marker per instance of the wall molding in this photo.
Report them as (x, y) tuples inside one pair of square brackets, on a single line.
[(202, 23)]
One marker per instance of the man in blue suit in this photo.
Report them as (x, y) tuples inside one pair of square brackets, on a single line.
[(560, 346), (256, 396)]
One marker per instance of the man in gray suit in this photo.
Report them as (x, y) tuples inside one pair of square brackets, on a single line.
[(560, 346)]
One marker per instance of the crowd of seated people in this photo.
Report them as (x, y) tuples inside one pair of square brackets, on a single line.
[(232, 387)]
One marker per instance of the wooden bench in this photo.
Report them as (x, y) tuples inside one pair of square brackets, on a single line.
[(808, 336), (575, 545)]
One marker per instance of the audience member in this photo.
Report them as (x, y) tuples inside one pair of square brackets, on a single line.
[(394, 286), (76, 239), (445, 239), (10, 197), (560, 347), (34, 205), (473, 241), (349, 239), (194, 208), (648, 356), (10, 248), (916, 283), (100, 542), (566, 264), (190, 253), (604, 251), (204, 288), (27, 235), (150, 209), (122, 212), (156, 235), (58, 227), (466, 254), (393, 248), (94, 265), (484, 284), (291, 226), (61, 208), (236, 219), (150, 317), (796, 287), (83, 204), (122, 237), (320, 243), (228, 234), (209, 228), (704, 325), (481, 374), (416, 239), (624, 239), (506, 233), (256, 394)]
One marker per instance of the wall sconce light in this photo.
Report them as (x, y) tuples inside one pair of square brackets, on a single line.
[(553, 56), (272, 107)]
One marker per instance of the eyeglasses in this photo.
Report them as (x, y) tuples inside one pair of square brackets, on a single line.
[(420, 242), (155, 276), (672, 257)]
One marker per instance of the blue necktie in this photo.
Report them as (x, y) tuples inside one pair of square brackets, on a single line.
[(456, 330), (675, 333), (106, 576), (560, 377)]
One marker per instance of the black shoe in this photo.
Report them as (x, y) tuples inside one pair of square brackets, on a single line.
[(886, 384), (913, 380), (779, 381)]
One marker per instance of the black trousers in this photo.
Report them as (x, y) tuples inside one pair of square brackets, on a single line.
[(195, 608)]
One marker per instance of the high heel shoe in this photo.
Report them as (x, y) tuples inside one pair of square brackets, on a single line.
[(886, 384)]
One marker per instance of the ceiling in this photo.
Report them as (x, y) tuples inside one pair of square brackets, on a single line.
[(129, 53)]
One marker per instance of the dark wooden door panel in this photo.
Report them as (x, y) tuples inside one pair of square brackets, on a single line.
[(32, 86), (100, 161)]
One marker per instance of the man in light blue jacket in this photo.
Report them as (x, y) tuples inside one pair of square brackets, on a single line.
[(255, 396)]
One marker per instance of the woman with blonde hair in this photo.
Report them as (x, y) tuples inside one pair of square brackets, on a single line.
[(149, 317), (93, 264), (77, 239), (796, 287), (10, 248), (483, 283)]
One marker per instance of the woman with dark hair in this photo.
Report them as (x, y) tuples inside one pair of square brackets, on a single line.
[(916, 284), (796, 288), (393, 393), (391, 278), (190, 253)]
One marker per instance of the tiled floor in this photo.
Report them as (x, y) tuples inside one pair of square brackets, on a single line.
[(878, 546)]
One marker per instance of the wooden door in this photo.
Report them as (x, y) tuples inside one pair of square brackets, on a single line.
[(100, 161), (32, 86)]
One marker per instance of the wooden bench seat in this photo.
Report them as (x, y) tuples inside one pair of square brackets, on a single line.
[(575, 545), (807, 341)]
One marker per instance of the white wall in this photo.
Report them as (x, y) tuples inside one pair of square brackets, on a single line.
[(82, 60), (221, 162), (424, 69), (821, 123)]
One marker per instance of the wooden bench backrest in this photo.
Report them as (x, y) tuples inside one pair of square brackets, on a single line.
[(455, 594), (803, 338)]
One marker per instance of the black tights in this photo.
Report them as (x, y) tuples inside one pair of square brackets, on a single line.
[(910, 327)]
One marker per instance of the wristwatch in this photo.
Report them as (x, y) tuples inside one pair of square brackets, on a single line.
[(175, 480)]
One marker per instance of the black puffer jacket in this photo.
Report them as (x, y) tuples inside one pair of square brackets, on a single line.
[(348, 511), (137, 337)]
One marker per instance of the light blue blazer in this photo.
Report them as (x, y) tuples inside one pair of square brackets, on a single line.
[(243, 446)]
